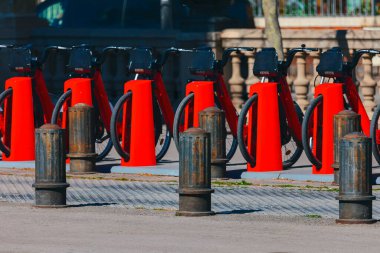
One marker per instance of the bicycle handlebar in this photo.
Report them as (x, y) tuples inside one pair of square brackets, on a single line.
[(294, 51), (228, 51), (358, 54), (168, 52), (111, 49)]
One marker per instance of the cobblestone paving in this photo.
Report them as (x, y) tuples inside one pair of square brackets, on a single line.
[(258, 200)]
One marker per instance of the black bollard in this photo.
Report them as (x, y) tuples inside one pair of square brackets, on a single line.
[(194, 173), (81, 139), (345, 122), (50, 176), (212, 120), (355, 189)]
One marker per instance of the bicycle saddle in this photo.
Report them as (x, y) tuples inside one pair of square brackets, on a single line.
[(140, 61), (266, 63), (203, 62), (331, 63), (21, 60)]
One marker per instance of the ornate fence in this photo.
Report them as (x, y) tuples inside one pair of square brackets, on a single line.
[(302, 75)]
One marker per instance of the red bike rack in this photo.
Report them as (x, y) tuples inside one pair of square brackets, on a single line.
[(80, 93), (138, 137), (323, 146), (267, 144), (19, 120), (203, 98)]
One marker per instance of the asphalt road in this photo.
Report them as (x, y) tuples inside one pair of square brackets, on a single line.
[(106, 229)]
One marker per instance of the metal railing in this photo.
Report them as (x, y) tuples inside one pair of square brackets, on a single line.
[(325, 8)]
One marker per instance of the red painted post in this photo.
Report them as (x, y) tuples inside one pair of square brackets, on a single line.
[(139, 138), (266, 142), (19, 120), (203, 98), (323, 144)]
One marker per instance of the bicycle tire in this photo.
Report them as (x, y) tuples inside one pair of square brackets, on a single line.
[(3, 148), (54, 120), (177, 117), (374, 126), (299, 148), (305, 130), (114, 120), (240, 131), (165, 146), (57, 108)]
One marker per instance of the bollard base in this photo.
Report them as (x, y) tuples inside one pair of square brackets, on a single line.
[(195, 202), (50, 195), (194, 214), (218, 170), (355, 209), (82, 163), (355, 221), (336, 174)]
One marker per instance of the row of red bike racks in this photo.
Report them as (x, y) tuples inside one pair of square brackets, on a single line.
[(329, 100), (271, 130), (26, 104)]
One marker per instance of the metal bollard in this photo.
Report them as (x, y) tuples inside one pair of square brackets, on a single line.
[(50, 176), (355, 189), (81, 139), (345, 122), (212, 120), (194, 173)]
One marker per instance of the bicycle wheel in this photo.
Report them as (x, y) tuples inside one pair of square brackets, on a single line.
[(307, 140), (162, 133), (114, 122), (103, 143), (291, 152), (240, 133), (3, 96), (375, 134), (231, 141)]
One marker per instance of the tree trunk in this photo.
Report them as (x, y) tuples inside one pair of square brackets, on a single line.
[(272, 26)]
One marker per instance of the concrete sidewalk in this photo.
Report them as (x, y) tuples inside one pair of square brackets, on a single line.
[(103, 229)]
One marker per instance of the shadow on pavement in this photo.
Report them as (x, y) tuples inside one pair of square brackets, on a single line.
[(92, 204), (239, 211)]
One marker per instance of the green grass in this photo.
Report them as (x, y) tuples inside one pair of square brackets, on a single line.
[(313, 216), (232, 183)]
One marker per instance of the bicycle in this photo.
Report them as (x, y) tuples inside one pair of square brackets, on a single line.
[(28, 69), (145, 68), (276, 127), (208, 92), (85, 85), (337, 96)]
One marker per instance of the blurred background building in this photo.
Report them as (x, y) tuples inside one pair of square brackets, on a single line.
[(350, 24)]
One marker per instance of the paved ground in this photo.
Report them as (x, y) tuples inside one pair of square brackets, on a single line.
[(283, 200), (104, 229), (135, 213)]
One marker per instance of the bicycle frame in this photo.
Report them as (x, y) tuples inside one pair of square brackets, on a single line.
[(83, 89), (43, 95), (204, 97), (163, 100), (356, 104)]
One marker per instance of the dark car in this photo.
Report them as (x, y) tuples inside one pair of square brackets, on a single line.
[(140, 14)]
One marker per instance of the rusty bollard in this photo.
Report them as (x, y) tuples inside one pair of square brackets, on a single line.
[(345, 122), (50, 176), (194, 173), (212, 120), (355, 189), (81, 139)]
